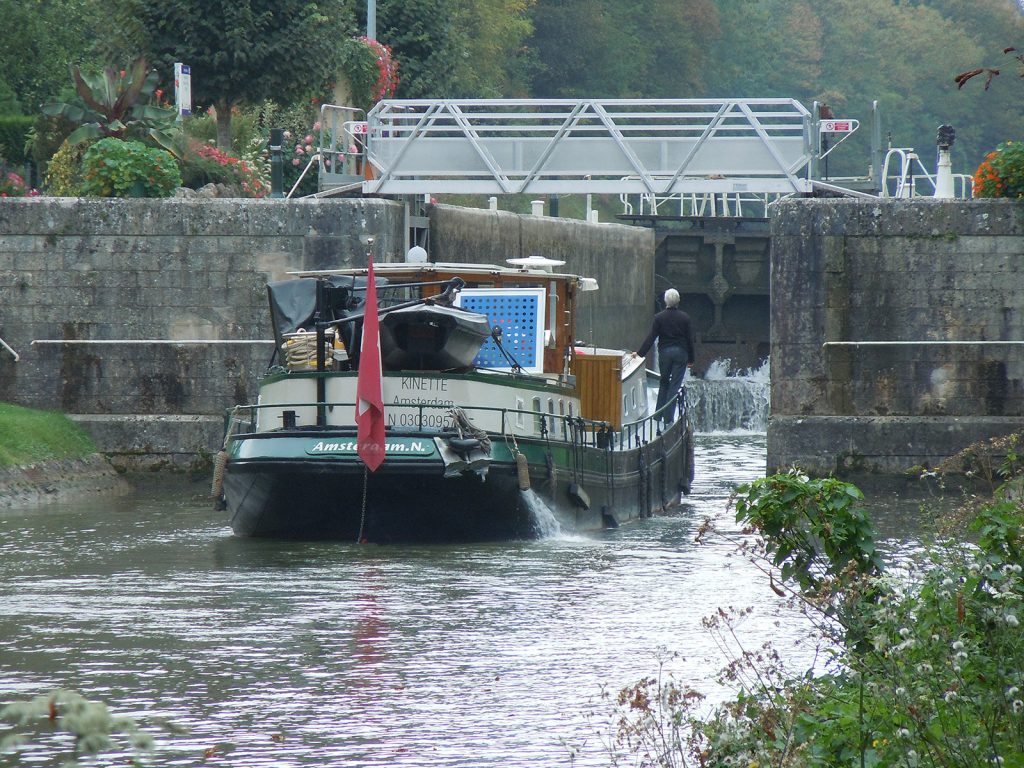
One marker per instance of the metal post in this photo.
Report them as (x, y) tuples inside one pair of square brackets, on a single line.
[(944, 173), (371, 19), (553, 205), (276, 162)]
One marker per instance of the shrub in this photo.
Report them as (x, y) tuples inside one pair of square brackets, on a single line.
[(12, 185), (64, 171), (204, 164), (115, 168), (371, 71), (14, 132), (926, 667), (1001, 173)]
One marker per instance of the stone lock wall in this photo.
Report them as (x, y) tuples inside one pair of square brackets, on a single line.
[(915, 274), (118, 271)]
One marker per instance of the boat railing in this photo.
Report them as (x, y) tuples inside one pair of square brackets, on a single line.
[(505, 422)]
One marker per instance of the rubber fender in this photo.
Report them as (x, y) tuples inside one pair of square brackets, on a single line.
[(579, 496), (523, 472)]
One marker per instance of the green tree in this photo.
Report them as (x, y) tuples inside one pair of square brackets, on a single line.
[(246, 52), (608, 49), (492, 60), (38, 40)]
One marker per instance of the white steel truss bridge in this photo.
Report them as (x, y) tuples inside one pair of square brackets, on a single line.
[(559, 146)]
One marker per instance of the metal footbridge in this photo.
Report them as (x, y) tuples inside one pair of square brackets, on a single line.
[(610, 146)]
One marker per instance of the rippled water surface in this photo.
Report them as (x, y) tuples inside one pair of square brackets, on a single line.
[(335, 654)]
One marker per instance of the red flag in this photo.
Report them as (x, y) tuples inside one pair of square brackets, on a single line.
[(369, 389)]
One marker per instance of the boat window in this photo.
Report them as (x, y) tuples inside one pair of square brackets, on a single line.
[(633, 398), (625, 403), (551, 418), (520, 416), (538, 418), (561, 412), (570, 410)]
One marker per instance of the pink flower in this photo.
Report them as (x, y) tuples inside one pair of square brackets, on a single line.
[(287, 134), (308, 139), (296, 161), (316, 126), (299, 150)]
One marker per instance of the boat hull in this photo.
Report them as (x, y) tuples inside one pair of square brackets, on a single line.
[(310, 485)]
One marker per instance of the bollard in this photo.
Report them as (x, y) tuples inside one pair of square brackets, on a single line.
[(538, 207), (276, 162)]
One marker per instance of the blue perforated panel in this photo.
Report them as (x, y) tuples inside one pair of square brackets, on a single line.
[(520, 318)]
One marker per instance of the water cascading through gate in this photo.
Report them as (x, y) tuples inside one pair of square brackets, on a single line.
[(720, 402)]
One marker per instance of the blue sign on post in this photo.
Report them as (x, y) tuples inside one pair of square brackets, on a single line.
[(183, 89)]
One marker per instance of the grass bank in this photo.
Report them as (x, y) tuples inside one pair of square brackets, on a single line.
[(28, 436)]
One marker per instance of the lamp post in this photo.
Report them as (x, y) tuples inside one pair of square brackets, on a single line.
[(944, 170), (371, 19), (276, 162)]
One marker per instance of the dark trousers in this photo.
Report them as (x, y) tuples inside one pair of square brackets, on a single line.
[(672, 363)]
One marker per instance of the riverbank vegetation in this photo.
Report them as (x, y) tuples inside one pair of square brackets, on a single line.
[(29, 436), (920, 663)]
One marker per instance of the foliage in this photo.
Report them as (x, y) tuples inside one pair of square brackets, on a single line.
[(13, 185), (814, 530), (205, 164), (371, 71), (9, 104), (28, 436), (93, 728), (14, 134), (117, 104), (115, 168), (64, 171), (929, 667), (40, 40), (603, 48), (1001, 173), (654, 718), (245, 53)]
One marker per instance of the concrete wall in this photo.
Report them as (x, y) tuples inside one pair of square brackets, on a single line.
[(620, 257), (904, 271), (117, 270)]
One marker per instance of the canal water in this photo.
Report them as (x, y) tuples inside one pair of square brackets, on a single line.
[(335, 654)]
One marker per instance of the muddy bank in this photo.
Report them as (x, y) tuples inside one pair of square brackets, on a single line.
[(59, 480)]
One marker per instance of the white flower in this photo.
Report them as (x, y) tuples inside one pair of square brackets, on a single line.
[(904, 733), (958, 646), (1012, 691), (1018, 706), (1011, 620), (949, 696), (904, 632)]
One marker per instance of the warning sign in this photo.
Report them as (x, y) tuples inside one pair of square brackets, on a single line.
[(838, 126)]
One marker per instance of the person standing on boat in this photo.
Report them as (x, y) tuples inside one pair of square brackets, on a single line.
[(674, 333)]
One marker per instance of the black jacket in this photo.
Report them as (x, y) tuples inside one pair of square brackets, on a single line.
[(671, 328)]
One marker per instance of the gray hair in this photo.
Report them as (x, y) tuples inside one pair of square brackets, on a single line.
[(671, 298)]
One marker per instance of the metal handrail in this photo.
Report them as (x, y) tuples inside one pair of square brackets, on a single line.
[(928, 343), (631, 435), (7, 346)]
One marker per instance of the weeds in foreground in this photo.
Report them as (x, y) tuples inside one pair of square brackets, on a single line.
[(922, 664)]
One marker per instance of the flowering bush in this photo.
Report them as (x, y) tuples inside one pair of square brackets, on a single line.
[(204, 164), (1001, 173), (371, 71), (12, 185), (116, 168)]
